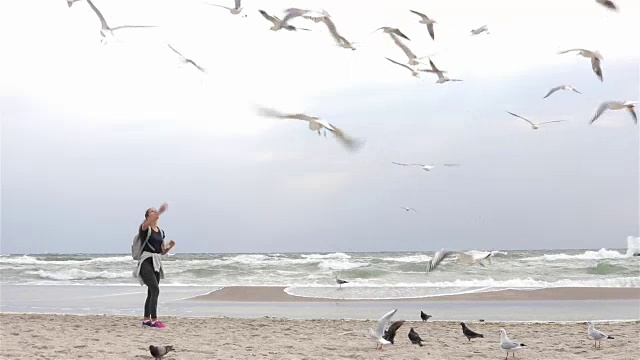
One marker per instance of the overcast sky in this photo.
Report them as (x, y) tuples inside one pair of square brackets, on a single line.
[(92, 135)]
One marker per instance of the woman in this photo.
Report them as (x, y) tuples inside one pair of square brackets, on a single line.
[(149, 271)]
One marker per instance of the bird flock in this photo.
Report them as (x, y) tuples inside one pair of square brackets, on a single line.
[(385, 331)]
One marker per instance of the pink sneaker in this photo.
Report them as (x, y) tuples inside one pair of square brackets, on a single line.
[(157, 324)]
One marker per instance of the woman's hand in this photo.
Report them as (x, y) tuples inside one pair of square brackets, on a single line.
[(172, 244)]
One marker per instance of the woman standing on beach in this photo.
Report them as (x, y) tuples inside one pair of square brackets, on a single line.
[(149, 270)]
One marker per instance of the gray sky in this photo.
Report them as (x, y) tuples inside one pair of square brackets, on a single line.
[(89, 143)]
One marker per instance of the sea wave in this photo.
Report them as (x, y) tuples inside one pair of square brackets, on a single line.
[(587, 255)]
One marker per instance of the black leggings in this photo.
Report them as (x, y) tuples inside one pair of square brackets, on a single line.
[(152, 280)]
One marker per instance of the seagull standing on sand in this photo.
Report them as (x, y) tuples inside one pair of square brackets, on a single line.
[(377, 334), (234, 10), (278, 24), (595, 57), (315, 124), (424, 316), (596, 335), (441, 78), (187, 61), (616, 105), (535, 126), (340, 282), (469, 333), (480, 30), (105, 30), (425, 20), (561, 87), (608, 4), (158, 352), (438, 257), (508, 345), (415, 338)]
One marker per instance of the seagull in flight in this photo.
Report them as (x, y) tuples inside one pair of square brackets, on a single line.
[(105, 30), (187, 61), (533, 125), (414, 72), (438, 257), (616, 105), (480, 30), (377, 334), (292, 13), (425, 20), (340, 40), (608, 4), (408, 209), (596, 335), (279, 24), (508, 345), (413, 59), (595, 57), (561, 87), (315, 124), (470, 259), (234, 10), (441, 78), (392, 30)]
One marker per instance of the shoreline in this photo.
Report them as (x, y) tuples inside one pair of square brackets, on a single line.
[(277, 294)]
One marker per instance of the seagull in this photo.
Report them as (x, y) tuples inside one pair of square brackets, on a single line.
[(414, 72), (438, 257), (234, 10), (535, 126), (469, 333), (509, 345), (158, 352), (390, 333), (392, 30), (187, 61), (423, 166), (105, 30), (412, 57), (340, 40), (340, 281), (480, 30), (470, 259), (415, 338), (424, 316), (441, 78), (595, 57), (70, 2), (292, 13), (315, 124), (608, 4), (561, 87), (596, 335), (425, 20), (408, 209), (616, 105), (278, 24), (377, 334)]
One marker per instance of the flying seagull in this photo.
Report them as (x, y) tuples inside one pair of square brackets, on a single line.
[(441, 78), (340, 281), (234, 10), (438, 257), (480, 30), (392, 30), (390, 333), (315, 124), (470, 334), (414, 72), (508, 345), (340, 40), (424, 316), (278, 24), (535, 126), (561, 87), (470, 259), (425, 20), (413, 59), (608, 4), (158, 352), (187, 61), (377, 334), (616, 105), (70, 2), (595, 57), (415, 338), (105, 30), (596, 335), (292, 13), (408, 209)]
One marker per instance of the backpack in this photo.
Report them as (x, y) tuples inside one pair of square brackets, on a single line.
[(138, 245)]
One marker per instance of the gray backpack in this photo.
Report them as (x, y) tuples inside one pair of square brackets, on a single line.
[(138, 245)]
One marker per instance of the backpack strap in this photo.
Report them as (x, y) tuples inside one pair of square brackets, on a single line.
[(147, 239), (162, 233)]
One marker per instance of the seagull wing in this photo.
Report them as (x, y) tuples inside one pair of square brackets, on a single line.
[(390, 334), (423, 16), (403, 47), (401, 164), (274, 20), (237, 4), (383, 321), (196, 65), (95, 10), (438, 257), (553, 121), (465, 259), (601, 109), (574, 89), (518, 116), (293, 13), (399, 33), (430, 29), (268, 112), (175, 51), (566, 51), (347, 141), (633, 114), (595, 66), (333, 31), (434, 68), (224, 7), (552, 91), (397, 63), (132, 27)]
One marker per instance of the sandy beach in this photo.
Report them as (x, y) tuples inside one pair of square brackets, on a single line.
[(30, 336)]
